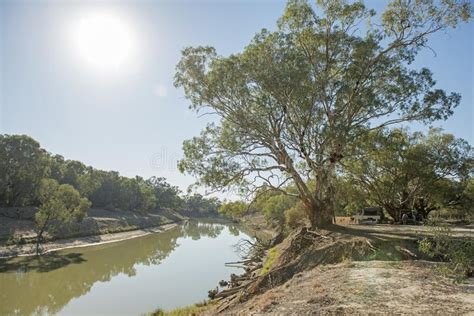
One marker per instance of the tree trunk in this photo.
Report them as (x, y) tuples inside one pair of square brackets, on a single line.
[(39, 237), (394, 212), (38, 240), (322, 208), (423, 208), (321, 216)]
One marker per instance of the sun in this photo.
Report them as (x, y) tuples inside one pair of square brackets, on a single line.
[(104, 41)]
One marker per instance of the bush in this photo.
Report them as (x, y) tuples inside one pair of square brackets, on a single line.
[(457, 252), (295, 216)]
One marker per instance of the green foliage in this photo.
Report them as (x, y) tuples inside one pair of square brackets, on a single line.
[(291, 103), (59, 204), (183, 311), (350, 198), (466, 201), (270, 258), (295, 216), (167, 196), (200, 206), (402, 171), (24, 164), (234, 209), (442, 245), (273, 205)]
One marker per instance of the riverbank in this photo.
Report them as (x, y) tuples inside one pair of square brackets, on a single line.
[(18, 235), (361, 288), (347, 270), (7, 251)]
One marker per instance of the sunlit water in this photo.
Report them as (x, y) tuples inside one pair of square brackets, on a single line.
[(166, 270)]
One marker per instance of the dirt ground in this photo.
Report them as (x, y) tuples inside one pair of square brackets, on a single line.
[(351, 269), (369, 287), (408, 231)]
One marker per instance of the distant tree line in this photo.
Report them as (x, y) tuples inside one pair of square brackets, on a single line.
[(24, 166), (394, 169)]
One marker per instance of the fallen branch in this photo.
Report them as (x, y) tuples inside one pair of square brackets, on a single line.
[(371, 246), (235, 266), (229, 292), (237, 262), (409, 252), (214, 294)]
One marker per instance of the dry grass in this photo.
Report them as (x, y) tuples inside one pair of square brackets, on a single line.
[(343, 220), (375, 286)]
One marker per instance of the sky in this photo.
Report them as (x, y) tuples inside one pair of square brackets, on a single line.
[(120, 111)]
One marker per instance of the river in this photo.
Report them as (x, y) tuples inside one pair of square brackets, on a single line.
[(165, 270)]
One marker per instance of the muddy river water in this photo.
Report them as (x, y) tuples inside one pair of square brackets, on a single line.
[(164, 270)]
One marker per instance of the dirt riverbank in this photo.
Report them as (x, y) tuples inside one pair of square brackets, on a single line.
[(29, 249), (362, 288), (346, 270), (18, 236)]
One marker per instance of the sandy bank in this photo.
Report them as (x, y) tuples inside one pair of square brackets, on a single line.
[(29, 249)]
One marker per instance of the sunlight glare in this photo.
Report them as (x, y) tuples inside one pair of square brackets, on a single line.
[(104, 41)]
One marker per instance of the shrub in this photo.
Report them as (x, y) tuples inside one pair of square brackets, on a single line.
[(295, 216), (457, 252)]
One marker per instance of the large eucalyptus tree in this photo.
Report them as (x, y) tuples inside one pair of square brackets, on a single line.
[(288, 105)]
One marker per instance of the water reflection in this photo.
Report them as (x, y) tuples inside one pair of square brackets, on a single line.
[(45, 285)]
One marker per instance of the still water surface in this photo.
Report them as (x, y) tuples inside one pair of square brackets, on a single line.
[(165, 270)]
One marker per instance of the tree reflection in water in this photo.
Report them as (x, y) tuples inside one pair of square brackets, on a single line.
[(45, 285)]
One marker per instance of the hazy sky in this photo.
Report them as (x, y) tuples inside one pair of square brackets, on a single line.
[(129, 117)]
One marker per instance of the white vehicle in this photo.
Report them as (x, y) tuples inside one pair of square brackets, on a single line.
[(369, 214)]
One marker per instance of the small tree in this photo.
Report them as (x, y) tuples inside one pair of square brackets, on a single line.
[(292, 101), (60, 204)]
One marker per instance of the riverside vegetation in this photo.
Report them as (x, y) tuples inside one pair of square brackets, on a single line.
[(310, 122), (59, 192)]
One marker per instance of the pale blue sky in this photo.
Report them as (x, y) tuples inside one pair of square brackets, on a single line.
[(133, 120)]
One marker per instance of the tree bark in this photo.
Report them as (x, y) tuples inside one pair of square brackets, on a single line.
[(321, 210), (321, 217), (422, 207), (39, 237), (38, 240)]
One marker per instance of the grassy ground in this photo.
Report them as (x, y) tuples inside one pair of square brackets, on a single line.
[(183, 311), (270, 259)]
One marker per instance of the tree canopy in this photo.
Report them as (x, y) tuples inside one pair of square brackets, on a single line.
[(59, 204), (403, 171), (291, 102), (24, 165)]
